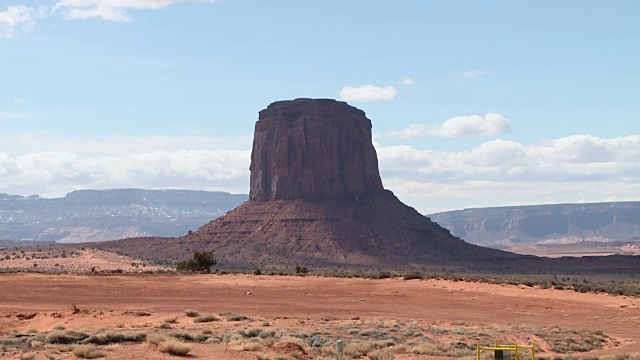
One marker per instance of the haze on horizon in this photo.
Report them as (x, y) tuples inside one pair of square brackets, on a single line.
[(473, 104)]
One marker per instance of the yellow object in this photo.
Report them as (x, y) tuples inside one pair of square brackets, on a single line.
[(513, 348)]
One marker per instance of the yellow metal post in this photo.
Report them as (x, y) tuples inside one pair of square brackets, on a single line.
[(533, 350)]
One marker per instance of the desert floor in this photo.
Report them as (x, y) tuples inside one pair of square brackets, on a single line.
[(440, 310)]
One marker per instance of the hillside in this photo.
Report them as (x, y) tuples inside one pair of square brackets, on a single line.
[(99, 215)]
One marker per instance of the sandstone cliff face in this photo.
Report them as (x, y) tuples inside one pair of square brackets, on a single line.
[(312, 149)]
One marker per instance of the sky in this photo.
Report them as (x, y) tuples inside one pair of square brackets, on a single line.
[(473, 103)]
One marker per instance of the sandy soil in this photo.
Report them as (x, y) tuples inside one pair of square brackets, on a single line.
[(71, 260), (142, 302)]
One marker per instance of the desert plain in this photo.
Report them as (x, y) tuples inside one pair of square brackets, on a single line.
[(246, 316)]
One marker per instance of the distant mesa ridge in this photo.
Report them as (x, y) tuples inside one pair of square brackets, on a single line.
[(545, 224), (101, 215)]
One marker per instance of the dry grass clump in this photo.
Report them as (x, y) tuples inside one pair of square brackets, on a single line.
[(157, 338), (87, 351), (174, 346), (58, 327), (451, 349), (164, 325), (236, 317), (27, 356), (268, 356), (191, 313), (357, 349), (168, 344), (253, 339), (66, 337), (111, 337), (205, 318), (171, 320)]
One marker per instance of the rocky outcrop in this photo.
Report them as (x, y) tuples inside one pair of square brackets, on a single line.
[(313, 149)]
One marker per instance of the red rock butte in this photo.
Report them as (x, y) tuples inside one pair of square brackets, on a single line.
[(317, 199), (313, 149)]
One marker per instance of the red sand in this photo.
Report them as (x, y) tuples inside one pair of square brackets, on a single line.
[(111, 300)]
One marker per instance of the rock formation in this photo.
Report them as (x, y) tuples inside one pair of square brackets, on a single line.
[(313, 149), (317, 199)]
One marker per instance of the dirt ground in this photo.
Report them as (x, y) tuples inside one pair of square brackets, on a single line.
[(37, 303), (71, 260)]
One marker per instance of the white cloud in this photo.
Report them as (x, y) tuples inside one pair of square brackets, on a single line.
[(474, 73), (501, 172), (367, 93), (470, 125), (111, 10), (52, 164), (16, 20), (115, 145), (407, 81), (53, 173), (495, 173)]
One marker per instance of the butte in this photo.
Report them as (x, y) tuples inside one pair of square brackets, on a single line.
[(317, 199)]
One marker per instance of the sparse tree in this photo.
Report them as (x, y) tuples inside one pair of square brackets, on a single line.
[(202, 261)]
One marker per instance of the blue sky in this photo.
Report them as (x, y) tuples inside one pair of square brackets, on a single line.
[(473, 103)]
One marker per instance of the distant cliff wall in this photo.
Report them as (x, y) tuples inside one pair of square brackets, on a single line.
[(545, 224)]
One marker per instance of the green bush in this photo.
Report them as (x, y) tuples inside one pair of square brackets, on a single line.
[(202, 261)]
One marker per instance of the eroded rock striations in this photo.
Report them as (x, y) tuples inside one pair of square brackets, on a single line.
[(313, 149)]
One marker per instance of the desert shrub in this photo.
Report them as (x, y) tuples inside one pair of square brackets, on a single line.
[(27, 356), (58, 326), (381, 354), (257, 332), (202, 261), (66, 337), (187, 336), (157, 338), (205, 318), (115, 337), (412, 276), (191, 313), (174, 347), (164, 325), (452, 349), (302, 269), (356, 349), (237, 317), (87, 351), (248, 345), (171, 320)]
